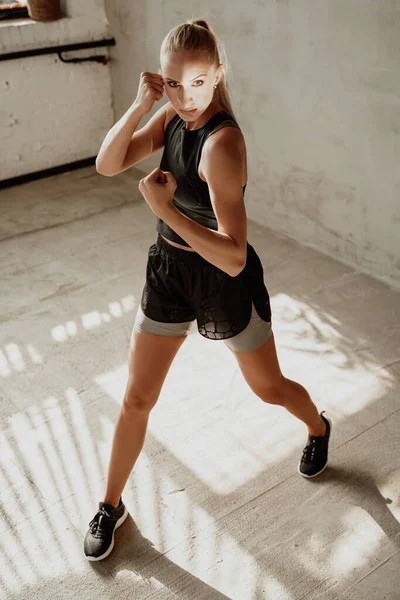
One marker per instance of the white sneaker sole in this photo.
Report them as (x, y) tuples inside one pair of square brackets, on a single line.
[(326, 464), (315, 474), (110, 549)]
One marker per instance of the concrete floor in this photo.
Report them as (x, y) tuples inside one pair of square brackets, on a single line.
[(217, 508)]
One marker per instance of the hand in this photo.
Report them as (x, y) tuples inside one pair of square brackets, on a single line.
[(151, 88), (158, 190)]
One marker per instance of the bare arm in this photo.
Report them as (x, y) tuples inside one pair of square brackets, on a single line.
[(114, 147), (112, 157)]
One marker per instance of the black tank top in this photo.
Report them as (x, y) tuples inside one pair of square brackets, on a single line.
[(181, 156)]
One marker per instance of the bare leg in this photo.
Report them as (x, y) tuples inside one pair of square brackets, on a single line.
[(129, 436), (297, 401), (150, 357), (262, 372)]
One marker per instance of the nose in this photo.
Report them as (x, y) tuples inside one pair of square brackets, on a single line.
[(185, 99)]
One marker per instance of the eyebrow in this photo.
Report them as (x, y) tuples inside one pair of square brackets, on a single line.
[(190, 80)]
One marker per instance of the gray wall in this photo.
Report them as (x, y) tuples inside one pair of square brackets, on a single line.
[(316, 90)]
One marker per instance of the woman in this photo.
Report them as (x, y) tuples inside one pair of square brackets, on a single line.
[(201, 267)]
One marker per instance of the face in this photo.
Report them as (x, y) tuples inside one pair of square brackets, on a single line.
[(189, 83)]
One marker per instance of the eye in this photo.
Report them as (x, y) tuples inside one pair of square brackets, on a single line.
[(197, 81)]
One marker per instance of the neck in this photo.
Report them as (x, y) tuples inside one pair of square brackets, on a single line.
[(207, 114)]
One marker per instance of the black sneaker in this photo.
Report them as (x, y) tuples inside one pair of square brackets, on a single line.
[(315, 453), (99, 539)]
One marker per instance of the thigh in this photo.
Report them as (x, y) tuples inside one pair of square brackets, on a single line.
[(226, 306), (165, 296), (260, 367), (150, 358), (222, 302), (255, 334), (147, 325)]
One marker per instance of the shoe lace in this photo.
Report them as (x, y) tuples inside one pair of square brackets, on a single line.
[(311, 449), (101, 522)]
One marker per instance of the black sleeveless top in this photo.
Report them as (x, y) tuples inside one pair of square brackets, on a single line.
[(181, 156)]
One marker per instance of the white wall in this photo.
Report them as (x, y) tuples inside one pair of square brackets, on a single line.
[(52, 113), (316, 90)]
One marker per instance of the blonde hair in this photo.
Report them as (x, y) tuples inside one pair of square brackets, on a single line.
[(198, 37)]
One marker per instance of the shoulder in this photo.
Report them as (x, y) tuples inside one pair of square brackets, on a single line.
[(224, 137), (225, 132), (224, 152)]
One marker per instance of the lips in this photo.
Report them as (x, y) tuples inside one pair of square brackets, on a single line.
[(189, 111)]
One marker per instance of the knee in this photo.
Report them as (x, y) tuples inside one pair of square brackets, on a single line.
[(274, 394), (135, 403)]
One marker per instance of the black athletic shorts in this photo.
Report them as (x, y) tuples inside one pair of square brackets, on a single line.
[(182, 286)]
